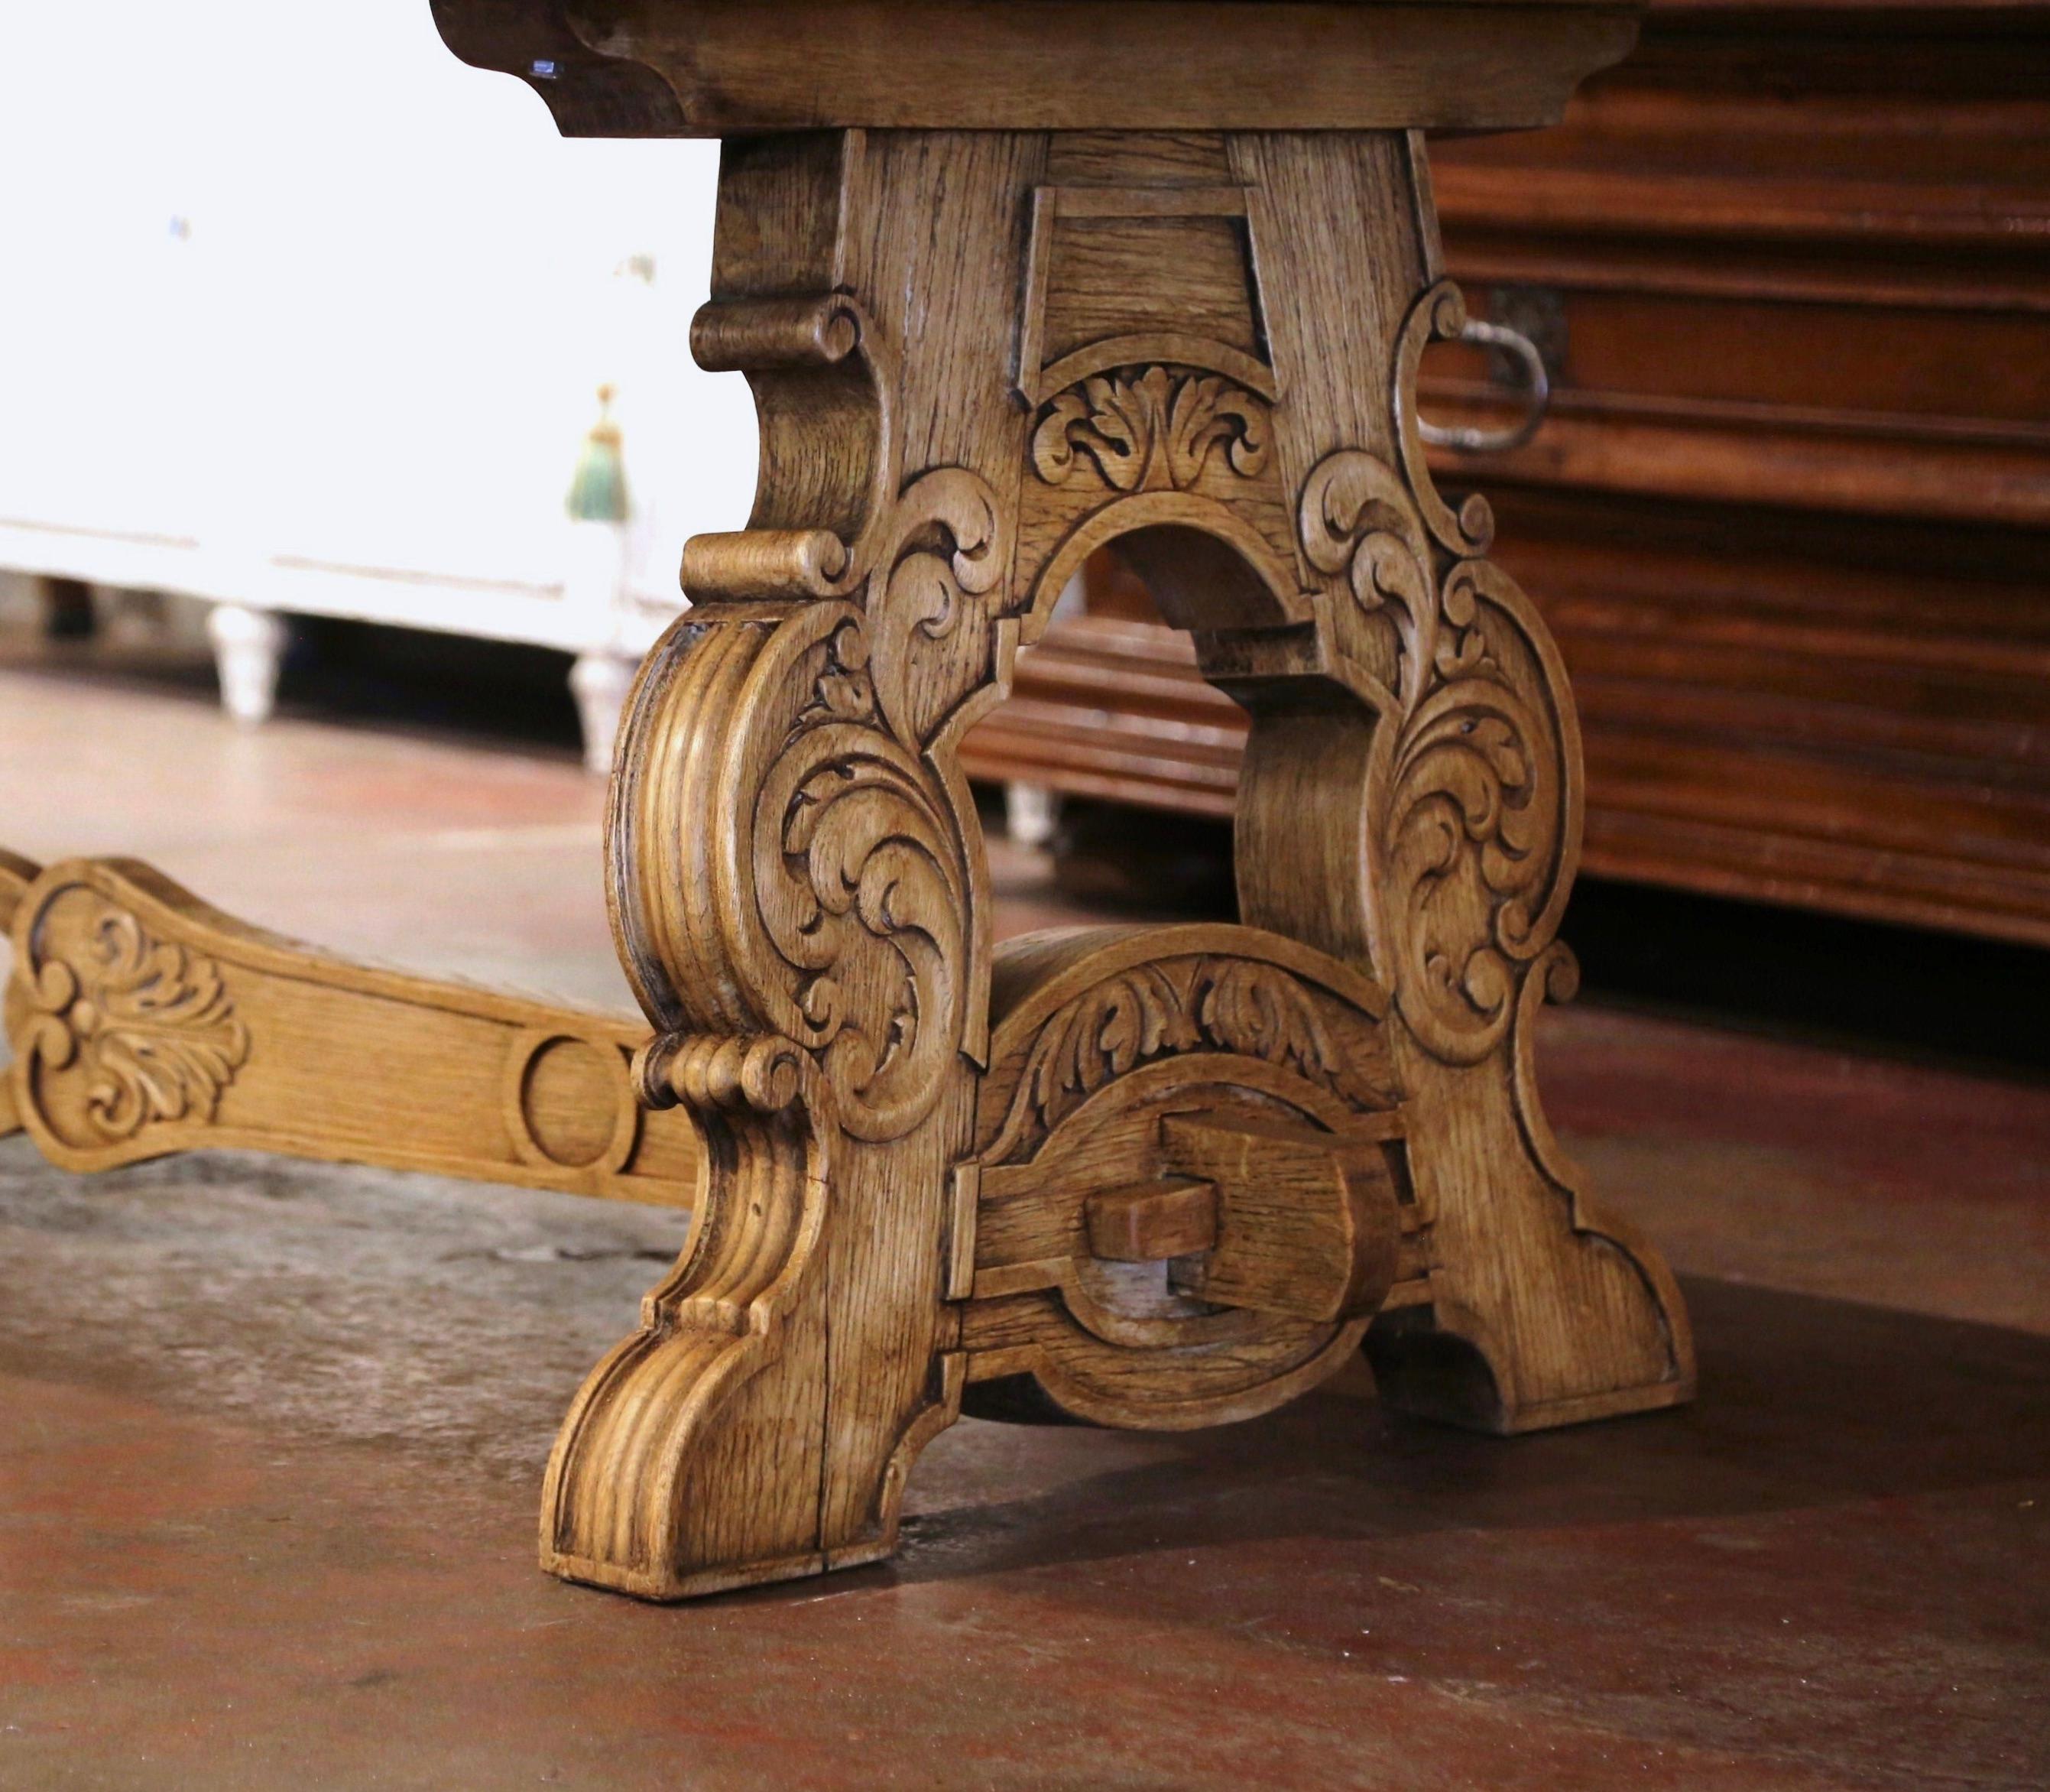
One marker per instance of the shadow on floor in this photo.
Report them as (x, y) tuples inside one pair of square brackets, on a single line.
[(1914, 993), (1805, 1402), (315, 1303)]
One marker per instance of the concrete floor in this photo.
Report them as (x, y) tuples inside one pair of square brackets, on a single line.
[(271, 1434)]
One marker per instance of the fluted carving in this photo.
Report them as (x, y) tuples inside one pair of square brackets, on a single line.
[(794, 871)]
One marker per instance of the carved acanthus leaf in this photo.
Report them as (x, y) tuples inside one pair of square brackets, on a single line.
[(1152, 429), (1472, 841), (861, 868), (149, 1025), (1172, 1006), (933, 601), (1356, 520), (861, 887)]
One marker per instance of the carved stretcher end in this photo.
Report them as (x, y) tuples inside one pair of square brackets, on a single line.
[(15, 875), (143, 1022)]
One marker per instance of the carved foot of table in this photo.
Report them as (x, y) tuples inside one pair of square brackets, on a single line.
[(1165, 1177)]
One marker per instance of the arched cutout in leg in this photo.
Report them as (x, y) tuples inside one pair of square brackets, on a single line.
[(1171, 1178)]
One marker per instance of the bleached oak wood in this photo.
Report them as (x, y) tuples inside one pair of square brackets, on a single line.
[(1152, 1222), (934, 1169), (977, 355), (1306, 1225), (143, 1022), (1123, 1057)]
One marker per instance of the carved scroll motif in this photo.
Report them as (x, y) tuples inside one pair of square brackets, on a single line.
[(831, 665), (860, 868), (793, 887), (1475, 823), (1167, 1007), (149, 1025), (1152, 429), (861, 895)]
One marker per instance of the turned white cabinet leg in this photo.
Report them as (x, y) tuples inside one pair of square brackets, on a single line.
[(599, 682), (1032, 812), (248, 645)]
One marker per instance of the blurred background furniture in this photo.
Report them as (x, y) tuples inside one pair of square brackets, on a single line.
[(277, 382), (1790, 516)]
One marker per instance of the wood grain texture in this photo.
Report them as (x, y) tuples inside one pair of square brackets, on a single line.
[(1152, 1221), (603, 65), (977, 356), (1107, 1043), (1788, 517), (143, 1022), (832, 919), (1303, 1228)]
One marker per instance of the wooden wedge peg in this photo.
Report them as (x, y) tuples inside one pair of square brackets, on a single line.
[(1270, 1218), (1154, 1222), (1010, 283), (1307, 1224)]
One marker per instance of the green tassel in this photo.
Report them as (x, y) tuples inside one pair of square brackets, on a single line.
[(598, 492)]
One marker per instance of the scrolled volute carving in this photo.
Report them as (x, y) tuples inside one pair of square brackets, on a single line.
[(935, 600), (1438, 315), (1356, 522), (861, 879), (861, 890), (766, 1073), (1473, 838), (1475, 823), (840, 914)]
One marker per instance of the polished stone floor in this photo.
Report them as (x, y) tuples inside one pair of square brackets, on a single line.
[(271, 1434)]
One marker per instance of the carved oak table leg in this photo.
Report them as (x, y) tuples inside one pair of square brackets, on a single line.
[(1159, 1178)]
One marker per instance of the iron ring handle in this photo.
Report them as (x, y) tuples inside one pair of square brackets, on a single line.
[(1536, 395)]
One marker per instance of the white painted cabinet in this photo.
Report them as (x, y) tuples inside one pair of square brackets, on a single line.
[(318, 330)]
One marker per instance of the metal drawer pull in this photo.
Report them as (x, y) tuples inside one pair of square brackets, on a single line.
[(1536, 395)]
